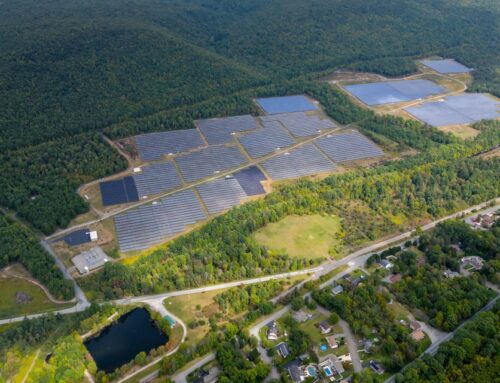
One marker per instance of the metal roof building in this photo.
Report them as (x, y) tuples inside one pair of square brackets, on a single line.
[(90, 260)]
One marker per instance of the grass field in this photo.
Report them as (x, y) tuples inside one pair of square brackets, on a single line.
[(461, 131), (8, 306), (194, 307), (310, 237)]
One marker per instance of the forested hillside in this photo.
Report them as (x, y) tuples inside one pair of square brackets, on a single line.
[(71, 68)]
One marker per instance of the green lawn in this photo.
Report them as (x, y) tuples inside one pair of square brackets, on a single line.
[(310, 237), (310, 327), (39, 301)]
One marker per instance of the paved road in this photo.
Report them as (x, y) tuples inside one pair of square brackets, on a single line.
[(181, 376), (356, 258), (156, 300), (349, 337), (351, 345)]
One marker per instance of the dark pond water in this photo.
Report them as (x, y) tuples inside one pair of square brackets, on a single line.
[(121, 342)]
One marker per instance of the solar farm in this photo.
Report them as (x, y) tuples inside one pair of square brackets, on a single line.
[(446, 66), (395, 91), (464, 108), (224, 161)]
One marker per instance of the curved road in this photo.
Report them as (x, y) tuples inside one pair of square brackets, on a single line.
[(358, 257)]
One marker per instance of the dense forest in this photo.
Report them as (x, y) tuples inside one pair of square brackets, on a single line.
[(70, 68), (69, 72), (447, 302), (19, 245), (471, 356), (40, 182)]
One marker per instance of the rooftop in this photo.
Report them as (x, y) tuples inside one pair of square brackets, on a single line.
[(90, 260)]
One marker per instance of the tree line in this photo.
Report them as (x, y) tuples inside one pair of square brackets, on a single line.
[(18, 244)]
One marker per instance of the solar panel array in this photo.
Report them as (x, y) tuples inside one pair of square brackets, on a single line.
[(77, 237), (267, 140), (460, 109), (348, 147), (386, 92), (221, 194), (249, 180), (303, 161), (287, 104), (157, 178), (219, 130), (300, 124), (153, 146), (118, 191), (446, 66), (151, 224), (208, 161)]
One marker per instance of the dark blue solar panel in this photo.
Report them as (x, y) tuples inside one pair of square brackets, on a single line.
[(131, 189), (249, 179), (288, 104), (77, 237), (118, 191)]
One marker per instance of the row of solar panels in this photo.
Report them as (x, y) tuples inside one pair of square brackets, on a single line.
[(217, 131), (153, 223)]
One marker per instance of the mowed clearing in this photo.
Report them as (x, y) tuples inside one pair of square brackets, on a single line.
[(31, 298), (309, 237), (461, 131)]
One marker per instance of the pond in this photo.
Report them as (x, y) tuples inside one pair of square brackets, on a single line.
[(119, 343)]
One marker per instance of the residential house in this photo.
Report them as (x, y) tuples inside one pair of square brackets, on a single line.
[(418, 335), (332, 342), (283, 350), (324, 327), (210, 376), (272, 331), (345, 358), (332, 367), (414, 325), (302, 316), (376, 367), (386, 264), (337, 289), (295, 371), (367, 346), (450, 274), (476, 262)]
